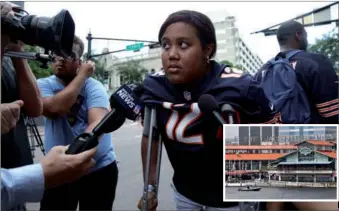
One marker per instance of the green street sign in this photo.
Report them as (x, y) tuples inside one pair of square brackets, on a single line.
[(135, 47)]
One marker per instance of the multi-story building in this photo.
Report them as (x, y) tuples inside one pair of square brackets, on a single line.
[(233, 48), (297, 133), (268, 135), (257, 135)]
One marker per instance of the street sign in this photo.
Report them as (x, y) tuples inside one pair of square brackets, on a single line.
[(135, 47)]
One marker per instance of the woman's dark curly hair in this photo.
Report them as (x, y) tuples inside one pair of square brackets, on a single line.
[(202, 23)]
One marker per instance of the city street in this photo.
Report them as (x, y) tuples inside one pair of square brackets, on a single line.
[(127, 147)]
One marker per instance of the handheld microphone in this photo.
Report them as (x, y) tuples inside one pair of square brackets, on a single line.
[(209, 105), (125, 103), (227, 108)]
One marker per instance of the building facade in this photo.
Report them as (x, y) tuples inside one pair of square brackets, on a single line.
[(258, 135), (233, 48), (306, 161), (298, 133)]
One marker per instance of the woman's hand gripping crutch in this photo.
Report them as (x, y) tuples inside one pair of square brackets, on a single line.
[(151, 150)]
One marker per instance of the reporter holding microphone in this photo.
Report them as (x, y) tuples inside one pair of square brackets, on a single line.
[(27, 183)]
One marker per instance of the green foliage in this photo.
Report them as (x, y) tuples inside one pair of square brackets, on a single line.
[(131, 72), (36, 66), (328, 46)]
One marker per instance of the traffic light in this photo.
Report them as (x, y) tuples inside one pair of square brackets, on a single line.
[(155, 45), (105, 75)]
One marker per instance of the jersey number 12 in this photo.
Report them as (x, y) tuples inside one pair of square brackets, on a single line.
[(176, 126)]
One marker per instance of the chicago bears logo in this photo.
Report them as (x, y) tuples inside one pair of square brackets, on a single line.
[(187, 95)]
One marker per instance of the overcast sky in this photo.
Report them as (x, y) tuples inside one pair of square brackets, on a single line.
[(142, 20)]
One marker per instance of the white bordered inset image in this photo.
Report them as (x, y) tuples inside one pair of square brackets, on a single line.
[(280, 163)]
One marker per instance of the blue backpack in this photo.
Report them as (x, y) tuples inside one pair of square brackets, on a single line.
[(279, 82)]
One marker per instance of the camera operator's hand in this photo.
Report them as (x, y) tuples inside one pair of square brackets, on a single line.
[(18, 47), (7, 9), (10, 115), (87, 69), (151, 200), (60, 168)]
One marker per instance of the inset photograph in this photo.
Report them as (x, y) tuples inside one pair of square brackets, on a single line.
[(280, 162)]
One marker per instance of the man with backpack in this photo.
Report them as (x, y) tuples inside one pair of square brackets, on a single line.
[(301, 85)]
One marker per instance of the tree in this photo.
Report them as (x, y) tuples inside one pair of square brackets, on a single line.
[(36, 66), (131, 72), (328, 46)]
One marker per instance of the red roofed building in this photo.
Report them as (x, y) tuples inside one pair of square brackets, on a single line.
[(307, 161)]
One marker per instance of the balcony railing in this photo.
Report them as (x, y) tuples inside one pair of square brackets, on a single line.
[(300, 171)]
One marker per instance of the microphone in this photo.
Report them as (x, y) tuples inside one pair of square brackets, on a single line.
[(125, 103), (126, 100), (209, 105), (227, 108)]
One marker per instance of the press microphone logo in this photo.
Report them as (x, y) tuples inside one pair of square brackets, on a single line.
[(126, 97), (131, 104)]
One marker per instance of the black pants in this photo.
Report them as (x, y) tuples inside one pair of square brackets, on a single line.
[(95, 191)]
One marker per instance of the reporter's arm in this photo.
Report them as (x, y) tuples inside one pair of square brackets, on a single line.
[(20, 185), (28, 89), (56, 105), (97, 101)]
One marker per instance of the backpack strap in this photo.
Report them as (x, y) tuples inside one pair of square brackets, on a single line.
[(292, 53)]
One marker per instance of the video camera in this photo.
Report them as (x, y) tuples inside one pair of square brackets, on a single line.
[(54, 34)]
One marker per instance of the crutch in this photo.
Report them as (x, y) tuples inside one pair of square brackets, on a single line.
[(152, 130), (243, 206)]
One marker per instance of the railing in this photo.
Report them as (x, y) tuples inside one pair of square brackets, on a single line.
[(300, 172)]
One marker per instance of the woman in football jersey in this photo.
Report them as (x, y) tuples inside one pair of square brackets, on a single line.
[(191, 139)]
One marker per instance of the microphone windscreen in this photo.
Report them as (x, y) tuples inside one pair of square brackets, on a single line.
[(207, 103), (114, 124)]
